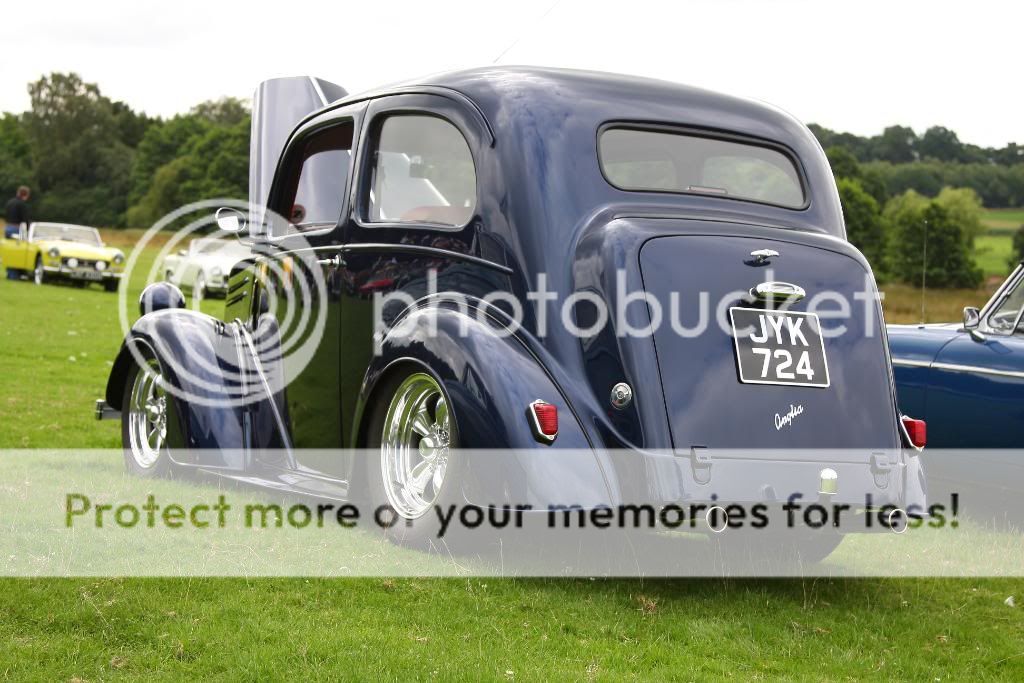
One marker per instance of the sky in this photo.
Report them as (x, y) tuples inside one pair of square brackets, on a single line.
[(855, 66)]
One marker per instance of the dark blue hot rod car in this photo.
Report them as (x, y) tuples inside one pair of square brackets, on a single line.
[(554, 236)]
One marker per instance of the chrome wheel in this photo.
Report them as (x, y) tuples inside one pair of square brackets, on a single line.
[(415, 442), (38, 273), (147, 415)]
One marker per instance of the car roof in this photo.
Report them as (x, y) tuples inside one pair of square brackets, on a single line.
[(498, 90), (542, 118)]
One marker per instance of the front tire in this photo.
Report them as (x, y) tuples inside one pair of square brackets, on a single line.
[(144, 420), (413, 467), (111, 285), (39, 273)]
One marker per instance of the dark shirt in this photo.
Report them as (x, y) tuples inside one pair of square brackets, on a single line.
[(16, 211)]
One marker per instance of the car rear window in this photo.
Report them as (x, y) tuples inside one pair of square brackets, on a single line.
[(666, 161)]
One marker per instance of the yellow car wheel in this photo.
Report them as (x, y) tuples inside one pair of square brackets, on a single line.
[(38, 273)]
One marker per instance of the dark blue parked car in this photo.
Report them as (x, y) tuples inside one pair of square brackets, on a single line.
[(467, 193), (966, 380)]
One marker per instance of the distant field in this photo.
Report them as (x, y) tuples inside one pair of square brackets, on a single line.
[(992, 253), (1003, 220), (902, 303)]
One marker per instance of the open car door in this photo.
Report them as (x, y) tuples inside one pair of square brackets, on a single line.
[(278, 105)]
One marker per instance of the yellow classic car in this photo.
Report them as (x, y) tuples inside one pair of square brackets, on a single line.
[(57, 251)]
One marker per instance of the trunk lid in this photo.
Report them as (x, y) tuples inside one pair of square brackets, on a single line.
[(707, 403)]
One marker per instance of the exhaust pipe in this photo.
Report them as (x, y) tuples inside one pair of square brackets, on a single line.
[(716, 510), (897, 521)]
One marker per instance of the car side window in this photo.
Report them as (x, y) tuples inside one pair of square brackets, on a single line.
[(422, 172), (315, 197)]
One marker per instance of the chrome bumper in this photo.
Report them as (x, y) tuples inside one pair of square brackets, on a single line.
[(79, 274)]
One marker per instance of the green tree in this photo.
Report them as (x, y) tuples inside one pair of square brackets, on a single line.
[(843, 163), (864, 226), (15, 156), (896, 144), (964, 207), (204, 161), (941, 144), (227, 111), (161, 144), (930, 241), (80, 164), (1018, 248)]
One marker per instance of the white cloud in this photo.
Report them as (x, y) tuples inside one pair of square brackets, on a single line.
[(855, 66)]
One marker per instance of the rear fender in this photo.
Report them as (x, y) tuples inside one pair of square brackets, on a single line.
[(491, 379)]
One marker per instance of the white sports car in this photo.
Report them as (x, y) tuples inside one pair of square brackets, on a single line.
[(203, 268)]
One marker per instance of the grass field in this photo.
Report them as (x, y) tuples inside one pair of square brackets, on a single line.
[(57, 342), (1003, 220)]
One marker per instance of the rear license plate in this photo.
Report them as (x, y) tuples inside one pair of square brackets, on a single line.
[(779, 347)]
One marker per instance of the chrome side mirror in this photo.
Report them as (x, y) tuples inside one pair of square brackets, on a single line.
[(230, 220), (972, 319)]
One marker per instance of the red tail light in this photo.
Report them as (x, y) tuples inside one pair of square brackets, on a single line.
[(543, 421), (916, 430)]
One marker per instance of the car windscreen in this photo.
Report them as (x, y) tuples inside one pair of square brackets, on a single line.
[(1006, 316), (666, 161), (67, 233)]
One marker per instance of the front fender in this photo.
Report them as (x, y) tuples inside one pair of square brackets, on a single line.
[(197, 354), (491, 378)]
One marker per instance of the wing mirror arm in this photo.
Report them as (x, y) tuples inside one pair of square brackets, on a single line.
[(972, 320)]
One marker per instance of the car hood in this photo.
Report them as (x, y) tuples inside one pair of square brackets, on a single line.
[(78, 250), (920, 343)]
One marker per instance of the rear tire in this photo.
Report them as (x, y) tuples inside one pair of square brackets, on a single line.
[(412, 466), (144, 420)]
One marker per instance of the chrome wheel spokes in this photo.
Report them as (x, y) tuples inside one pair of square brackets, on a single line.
[(415, 445), (147, 415)]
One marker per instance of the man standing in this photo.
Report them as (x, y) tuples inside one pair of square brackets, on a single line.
[(16, 212)]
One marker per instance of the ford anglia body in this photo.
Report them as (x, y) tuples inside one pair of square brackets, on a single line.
[(493, 181)]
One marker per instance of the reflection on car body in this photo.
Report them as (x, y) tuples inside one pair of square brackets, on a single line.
[(203, 267)]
